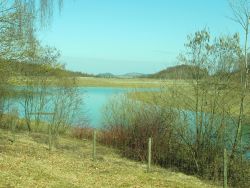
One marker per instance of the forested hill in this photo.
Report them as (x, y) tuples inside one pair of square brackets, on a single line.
[(32, 69), (180, 72)]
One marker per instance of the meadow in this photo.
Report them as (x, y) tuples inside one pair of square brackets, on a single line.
[(143, 123), (180, 94), (27, 162), (96, 82), (196, 113)]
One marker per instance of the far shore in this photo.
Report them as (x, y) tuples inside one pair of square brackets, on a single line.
[(108, 82)]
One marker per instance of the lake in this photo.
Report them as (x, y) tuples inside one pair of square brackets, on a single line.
[(95, 98)]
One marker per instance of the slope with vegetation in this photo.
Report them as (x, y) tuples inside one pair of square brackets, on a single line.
[(27, 162), (192, 144), (193, 121), (179, 72)]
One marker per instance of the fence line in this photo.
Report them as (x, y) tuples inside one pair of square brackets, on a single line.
[(149, 158)]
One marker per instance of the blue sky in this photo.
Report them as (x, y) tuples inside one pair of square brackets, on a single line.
[(121, 36)]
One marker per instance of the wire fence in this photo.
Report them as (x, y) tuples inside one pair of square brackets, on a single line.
[(221, 174)]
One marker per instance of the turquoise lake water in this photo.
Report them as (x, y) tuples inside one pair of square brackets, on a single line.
[(95, 98)]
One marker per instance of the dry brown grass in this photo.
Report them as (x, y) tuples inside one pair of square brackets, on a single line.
[(96, 82), (118, 82), (28, 163), (182, 96)]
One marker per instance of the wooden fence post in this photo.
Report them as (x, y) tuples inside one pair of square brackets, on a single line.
[(50, 137), (94, 145), (225, 169), (149, 154)]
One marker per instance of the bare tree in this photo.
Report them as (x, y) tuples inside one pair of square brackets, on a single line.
[(209, 97), (18, 42), (65, 106), (241, 15), (18, 23)]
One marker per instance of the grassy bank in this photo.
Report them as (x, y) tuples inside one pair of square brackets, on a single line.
[(118, 82), (28, 163), (182, 96), (98, 82)]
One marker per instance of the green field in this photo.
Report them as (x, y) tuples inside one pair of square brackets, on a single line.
[(181, 95), (28, 163), (118, 82), (98, 82)]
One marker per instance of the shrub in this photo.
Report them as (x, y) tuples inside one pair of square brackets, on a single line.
[(129, 124), (82, 132)]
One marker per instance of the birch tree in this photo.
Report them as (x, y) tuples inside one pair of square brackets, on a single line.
[(241, 15), (18, 24)]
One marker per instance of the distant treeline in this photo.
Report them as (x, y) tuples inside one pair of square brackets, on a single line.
[(188, 72), (175, 72), (33, 69), (179, 72)]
